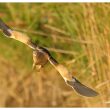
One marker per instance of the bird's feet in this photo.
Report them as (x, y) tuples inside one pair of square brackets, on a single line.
[(38, 67)]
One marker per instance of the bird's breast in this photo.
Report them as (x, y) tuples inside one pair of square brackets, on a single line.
[(39, 58)]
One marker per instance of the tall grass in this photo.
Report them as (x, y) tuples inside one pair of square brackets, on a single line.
[(77, 36)]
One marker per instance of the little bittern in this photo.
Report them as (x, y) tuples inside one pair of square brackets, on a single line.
[(41, 56)]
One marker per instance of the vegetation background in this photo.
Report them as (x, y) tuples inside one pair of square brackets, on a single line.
[(77, 35)]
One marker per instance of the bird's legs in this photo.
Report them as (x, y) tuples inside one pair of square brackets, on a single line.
[(35, 66)]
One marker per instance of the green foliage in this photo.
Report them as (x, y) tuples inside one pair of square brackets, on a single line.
[(80, 31)]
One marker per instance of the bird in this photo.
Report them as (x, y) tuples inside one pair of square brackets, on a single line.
[(40, 58)]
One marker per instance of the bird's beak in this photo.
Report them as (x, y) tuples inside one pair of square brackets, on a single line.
[(6, 29)]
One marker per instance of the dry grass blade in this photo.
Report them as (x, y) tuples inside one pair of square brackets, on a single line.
[(61, 51), (66, 39), (79, 31)]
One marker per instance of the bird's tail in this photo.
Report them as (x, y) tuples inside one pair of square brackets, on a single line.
[(5, 28), (81, 89)]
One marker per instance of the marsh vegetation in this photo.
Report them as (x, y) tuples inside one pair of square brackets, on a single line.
[(77, 35)]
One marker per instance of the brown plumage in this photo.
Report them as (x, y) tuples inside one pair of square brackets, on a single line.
[(67, 76), (41, 56), (16, 35)]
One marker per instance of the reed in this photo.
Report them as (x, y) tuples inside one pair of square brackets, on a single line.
[(78, 33)]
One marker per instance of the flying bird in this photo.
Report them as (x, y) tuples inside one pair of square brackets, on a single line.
[(41, 56)]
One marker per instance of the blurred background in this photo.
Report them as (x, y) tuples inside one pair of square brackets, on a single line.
[(77, 35)]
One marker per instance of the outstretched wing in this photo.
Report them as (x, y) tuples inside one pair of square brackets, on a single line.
[(5, 28), (73, 82), (67, 76), (81, 88), (16, 35)]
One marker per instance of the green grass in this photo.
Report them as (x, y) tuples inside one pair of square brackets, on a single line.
[(82, 29)]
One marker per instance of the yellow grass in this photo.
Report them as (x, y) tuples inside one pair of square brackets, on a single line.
[(78, 35)]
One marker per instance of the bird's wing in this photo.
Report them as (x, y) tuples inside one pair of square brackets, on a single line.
[(16, 35), (67, 76), (71, 81), (81, 88), (5, 28)]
